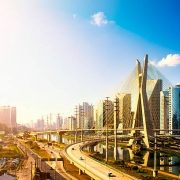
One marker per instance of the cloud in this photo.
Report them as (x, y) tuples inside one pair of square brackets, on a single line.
[(99, 19), (170, 60)]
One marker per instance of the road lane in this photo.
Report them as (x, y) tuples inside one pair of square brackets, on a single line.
[(92, 167)]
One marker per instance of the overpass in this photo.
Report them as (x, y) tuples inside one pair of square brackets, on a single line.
[(94, 169)]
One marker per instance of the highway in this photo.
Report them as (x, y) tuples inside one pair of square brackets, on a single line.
[(91, 167), (56, 165)]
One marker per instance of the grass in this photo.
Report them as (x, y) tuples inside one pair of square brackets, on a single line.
[(11, 151), (36, 149), (59, 145)]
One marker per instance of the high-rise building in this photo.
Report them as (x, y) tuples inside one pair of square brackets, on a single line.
[(59, 122), (39, 125), (79, 117), (104, 113), (174, 108), (99, 108), (85, 116), (65, 123), (88, 115), (72, 123), (8, 116), (153, 93), (124, 107), (164, 111)]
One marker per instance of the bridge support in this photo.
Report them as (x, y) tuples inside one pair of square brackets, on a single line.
[(142, 115), (80, 172), (60, 138), (76, 136), (91, 148), (49, 137), (36, 137), (155, 171), (81, 135)]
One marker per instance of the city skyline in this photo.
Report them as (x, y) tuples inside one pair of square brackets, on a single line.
[(57, 54)]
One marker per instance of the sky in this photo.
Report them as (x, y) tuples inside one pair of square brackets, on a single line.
[(55, 54)]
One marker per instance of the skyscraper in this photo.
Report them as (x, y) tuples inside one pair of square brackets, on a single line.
[(164, 111), (8, 116), (72, 123), (124, 106), (59, 122), (174, 108), (85, 116), (104, 113), (153, 93)]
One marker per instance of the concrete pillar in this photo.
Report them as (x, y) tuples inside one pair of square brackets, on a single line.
[(91, 149), (80, 172), (76, 136), (49, 137), (81, 135), (155, 171), (60, 138)]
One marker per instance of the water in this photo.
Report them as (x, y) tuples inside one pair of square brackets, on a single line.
[(165, 162), (54, 137), (7, 177)]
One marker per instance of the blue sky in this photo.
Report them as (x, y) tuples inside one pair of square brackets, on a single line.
[(56, 54)]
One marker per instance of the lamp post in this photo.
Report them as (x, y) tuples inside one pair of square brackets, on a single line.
[(31, 171), (107, 106), (155, 171)]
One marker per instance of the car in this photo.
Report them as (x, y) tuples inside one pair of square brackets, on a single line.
[(81, 158), (111, 174), (72, 148)]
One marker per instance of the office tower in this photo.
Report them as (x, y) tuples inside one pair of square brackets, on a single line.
[(72, 123), (88, 115), (164, 111), (59, 122), (104, 114), (174, 108), (8, 116), (39, 125), (65, 123), (85, 116), (99, 108), (124, 107), (153, 93), (79, 117)]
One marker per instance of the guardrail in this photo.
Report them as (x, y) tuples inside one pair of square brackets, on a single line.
[(42, 163)]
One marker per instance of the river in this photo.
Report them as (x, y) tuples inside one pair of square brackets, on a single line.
[(165, 162)]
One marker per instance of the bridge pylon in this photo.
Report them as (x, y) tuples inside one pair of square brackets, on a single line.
[(142, 117)]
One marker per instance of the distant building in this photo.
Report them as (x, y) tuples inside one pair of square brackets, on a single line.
[(153, 93), (104, 114), (88, 115), (174, 108), (164, 111), (8, 116), (79, 116), (72, 123), (124, 107), (40, 125), (85, 116), (59, 122), (65, 123)]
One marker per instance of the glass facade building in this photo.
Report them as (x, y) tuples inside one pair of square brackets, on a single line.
[(174, 108)]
